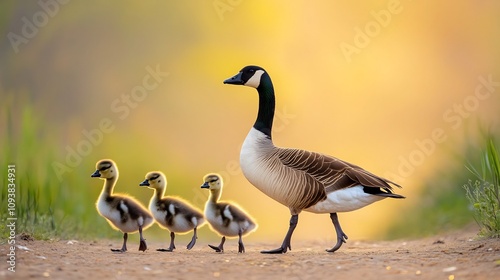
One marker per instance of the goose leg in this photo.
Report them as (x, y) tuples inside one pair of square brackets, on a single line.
[(193, 240), (142, 245), (286, 242), (124, 246), (341, 236), (172, 246), (241, 248), (221, 246)]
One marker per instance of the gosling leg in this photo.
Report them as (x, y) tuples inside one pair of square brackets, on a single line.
[(172, 245), (241, 248), (193, 240), (142, 245), (124, 246), (220, 248)]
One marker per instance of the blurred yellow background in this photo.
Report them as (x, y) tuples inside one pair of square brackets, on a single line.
[(392, 86)]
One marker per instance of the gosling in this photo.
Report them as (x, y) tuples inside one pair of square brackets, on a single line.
[(122, 212), (225, 218), (172, 213)]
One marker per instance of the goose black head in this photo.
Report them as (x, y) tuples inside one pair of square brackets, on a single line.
[(248, 76)]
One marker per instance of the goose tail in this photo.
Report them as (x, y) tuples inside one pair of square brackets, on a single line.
[(384, 192)]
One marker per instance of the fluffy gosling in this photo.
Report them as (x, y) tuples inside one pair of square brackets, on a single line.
[(122, 212), (172, 213), (225, 218)]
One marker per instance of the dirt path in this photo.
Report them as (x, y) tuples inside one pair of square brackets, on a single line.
[(451, 256)]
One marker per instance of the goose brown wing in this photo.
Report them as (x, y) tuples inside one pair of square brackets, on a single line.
[(332, 173)]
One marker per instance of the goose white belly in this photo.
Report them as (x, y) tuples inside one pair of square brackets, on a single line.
[(344, 200)]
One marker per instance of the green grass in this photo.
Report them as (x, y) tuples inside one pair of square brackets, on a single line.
[(442, 204), (484, 192), (45, 207)]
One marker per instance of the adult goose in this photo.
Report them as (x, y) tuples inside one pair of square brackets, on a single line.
[(121, 211), (226, 218), (299, 179), (172, 213)]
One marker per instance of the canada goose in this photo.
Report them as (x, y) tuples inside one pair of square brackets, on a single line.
[(121, 211), (223, 217), (172, 213), (299, 179)]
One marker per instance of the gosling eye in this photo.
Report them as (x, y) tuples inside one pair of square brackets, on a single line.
[(104, 168), (154, 178)]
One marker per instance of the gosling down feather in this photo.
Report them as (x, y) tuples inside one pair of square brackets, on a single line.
[(121, 211), (225, 218), (172, 213), (299, 179)]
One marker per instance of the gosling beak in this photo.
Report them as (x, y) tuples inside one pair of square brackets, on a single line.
[(144, 183), (235, 80), (96, 174), (205, 186)]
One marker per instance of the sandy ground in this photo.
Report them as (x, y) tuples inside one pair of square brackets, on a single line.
[(456, 255)]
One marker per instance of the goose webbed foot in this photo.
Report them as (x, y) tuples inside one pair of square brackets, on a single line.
[(220, 248), (169, 249), (280, 250), (341, 236), (122, 250), (124, 246), (165, 250), (193, 241), (286, 242), (142, 245), (172, 245)]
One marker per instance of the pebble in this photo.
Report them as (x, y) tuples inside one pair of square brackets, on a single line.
[(450, 269)]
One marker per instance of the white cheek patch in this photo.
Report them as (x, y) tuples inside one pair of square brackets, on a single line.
[(254, 81)]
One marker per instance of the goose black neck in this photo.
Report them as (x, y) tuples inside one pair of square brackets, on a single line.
[(264, 122)]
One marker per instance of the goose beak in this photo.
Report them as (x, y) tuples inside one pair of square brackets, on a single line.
[(144, 183), (96, 174), (205, 186), (235, 80)]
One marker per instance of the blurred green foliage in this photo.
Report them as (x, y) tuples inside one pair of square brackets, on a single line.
[(443, 204), (484, 192), (44, 206)]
